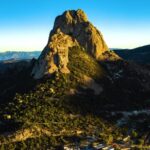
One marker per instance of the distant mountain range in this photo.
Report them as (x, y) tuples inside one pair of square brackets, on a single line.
[(19, 55), (139, 55)]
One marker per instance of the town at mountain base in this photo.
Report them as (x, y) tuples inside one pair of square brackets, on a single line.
[(77, 95)]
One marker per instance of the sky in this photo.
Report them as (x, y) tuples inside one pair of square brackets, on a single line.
[(25, 24)]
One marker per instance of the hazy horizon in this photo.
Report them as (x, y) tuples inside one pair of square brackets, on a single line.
[(25, 25), (112, 48)]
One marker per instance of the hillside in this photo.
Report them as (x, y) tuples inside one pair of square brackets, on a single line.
[(67, 108), (53, 110), (139, 55)]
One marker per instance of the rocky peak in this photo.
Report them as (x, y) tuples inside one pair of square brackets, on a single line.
[(72, 28), (70, 17)]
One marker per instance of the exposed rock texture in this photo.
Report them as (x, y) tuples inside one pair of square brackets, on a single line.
[(91, 84), (72, 28)]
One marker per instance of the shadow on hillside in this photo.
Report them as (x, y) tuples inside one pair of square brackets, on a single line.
[(9, 126), (15, 80)]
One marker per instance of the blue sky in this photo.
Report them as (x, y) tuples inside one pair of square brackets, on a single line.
[(25, 24)]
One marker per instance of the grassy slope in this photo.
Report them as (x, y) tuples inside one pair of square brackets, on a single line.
[(48, 108)]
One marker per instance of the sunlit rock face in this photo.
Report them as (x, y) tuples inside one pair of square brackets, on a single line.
[(72, 28)]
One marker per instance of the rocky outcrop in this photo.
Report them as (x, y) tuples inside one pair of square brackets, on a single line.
[(76, 24), (72, 28), (90, 83)]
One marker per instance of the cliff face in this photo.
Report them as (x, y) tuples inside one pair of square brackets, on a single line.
[(72, 28), (76, 24)]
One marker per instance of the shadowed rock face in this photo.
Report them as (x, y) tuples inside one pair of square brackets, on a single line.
[(72, 28)]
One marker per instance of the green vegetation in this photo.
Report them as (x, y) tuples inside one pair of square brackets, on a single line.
[(81, 63), (49, 116)]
